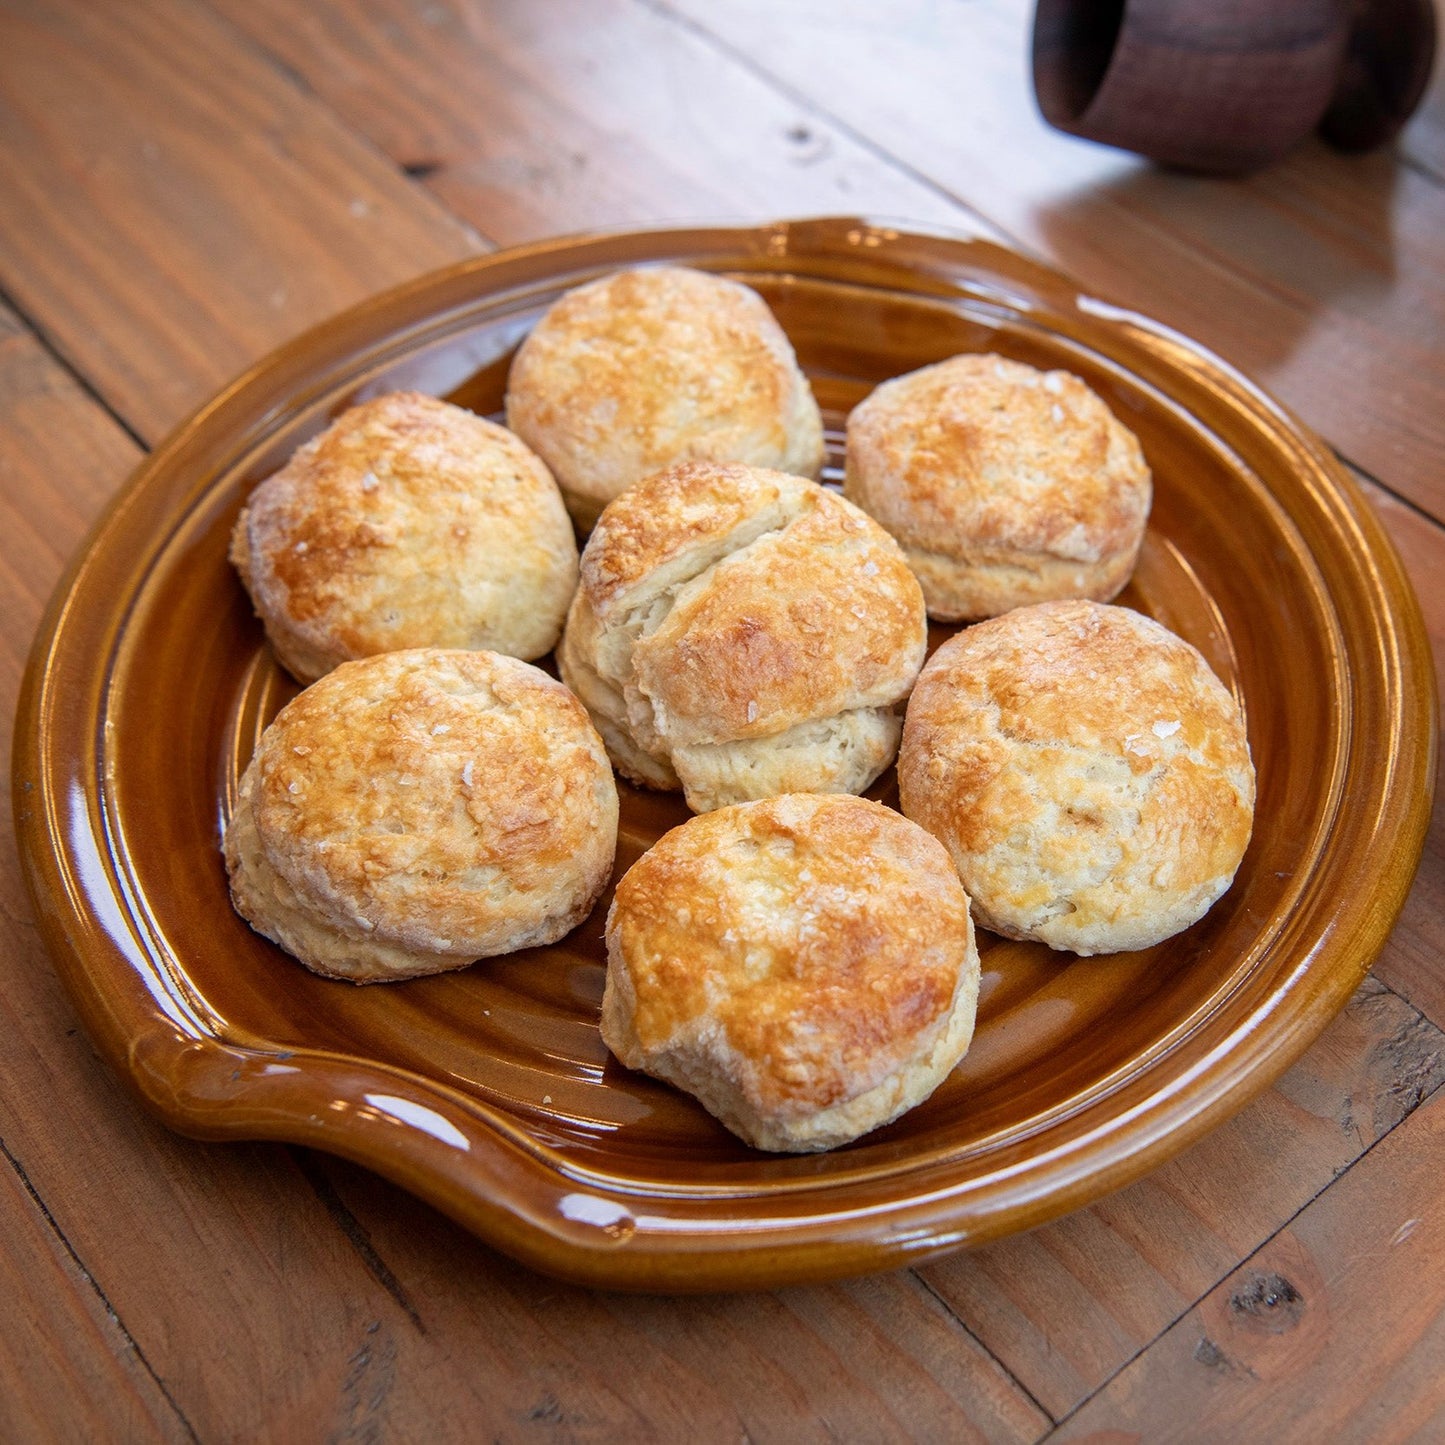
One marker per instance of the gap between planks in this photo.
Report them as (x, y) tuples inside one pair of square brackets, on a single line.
[(311, 1166), (745, 62), (298, 82), (963, 1326), (47, 343), (1259, 1248), (85, 1273), (1362, 473)]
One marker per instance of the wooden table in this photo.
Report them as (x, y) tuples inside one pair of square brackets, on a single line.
[(186, 183)]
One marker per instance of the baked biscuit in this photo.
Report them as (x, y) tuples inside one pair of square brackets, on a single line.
[(407, 523), (415, 811), (804, 966), (741, 632), (1004, 485), (1087, 771), (648, 368)]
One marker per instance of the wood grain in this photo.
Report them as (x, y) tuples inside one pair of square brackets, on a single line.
[(291, 1297), (185, 202), (355, 1296), (68, 1371), (566, 115), (166, 1231), (1333, 1330), (1066, 1306), (1120, 1272), (1319, 272), (869, 1359), (1413, 962), (186, 205)]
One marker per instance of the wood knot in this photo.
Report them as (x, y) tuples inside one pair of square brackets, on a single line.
[(1210, 1355), (1267, 1302)]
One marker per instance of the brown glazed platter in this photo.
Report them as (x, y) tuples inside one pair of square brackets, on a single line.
[(489, 1092)]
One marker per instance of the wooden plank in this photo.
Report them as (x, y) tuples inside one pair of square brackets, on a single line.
[(1413, 962), (68, 1370), (564, 115), (286, 1296), (1120, 1272), (1319, 277), (876, 1359), (1065, 1307), (186, 205), (1333, 1330), (1422, 143), (249, 1234)]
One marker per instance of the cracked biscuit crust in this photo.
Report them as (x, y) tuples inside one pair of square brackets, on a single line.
[(804, 966), (652, 367), (1004, 485), (408, 522), (740, 632), (1087, 771), (413, 812)]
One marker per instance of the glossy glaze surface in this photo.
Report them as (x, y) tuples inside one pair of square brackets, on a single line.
[(489, 1092)]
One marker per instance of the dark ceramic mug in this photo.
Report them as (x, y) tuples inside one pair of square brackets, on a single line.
[(1231, 85)]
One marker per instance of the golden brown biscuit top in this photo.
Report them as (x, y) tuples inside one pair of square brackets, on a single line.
[(678, 522), (823, 934), (979, 451), (630, 373), (345, 541), (1083, 677), (397, 784), (770, 600)]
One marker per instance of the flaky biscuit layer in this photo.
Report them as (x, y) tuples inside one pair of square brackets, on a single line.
[(648, 368), (415, 811), (803, 965), (1004, 485), (408, 522), (740, 632), (1088, 773)]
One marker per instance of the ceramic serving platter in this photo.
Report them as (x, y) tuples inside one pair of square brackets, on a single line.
[(489, 1092)]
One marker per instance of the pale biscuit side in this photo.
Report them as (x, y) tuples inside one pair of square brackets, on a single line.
[(804, 966), (1089, 774), (742, 632), (417, 810), (1004, 485), (649, 368), (409, 522)]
